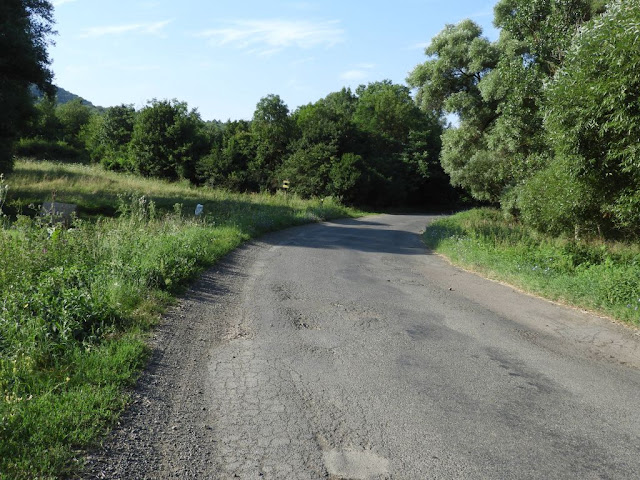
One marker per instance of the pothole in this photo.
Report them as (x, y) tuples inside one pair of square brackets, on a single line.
[(355, 464)]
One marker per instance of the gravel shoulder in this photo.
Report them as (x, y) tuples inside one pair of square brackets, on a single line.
[(166, 431)]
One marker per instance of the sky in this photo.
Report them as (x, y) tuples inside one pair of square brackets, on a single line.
[(222, 57)]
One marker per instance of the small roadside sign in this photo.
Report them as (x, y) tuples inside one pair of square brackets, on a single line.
[(285, 184)]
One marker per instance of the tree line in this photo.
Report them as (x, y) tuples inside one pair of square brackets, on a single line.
[(372, 147)]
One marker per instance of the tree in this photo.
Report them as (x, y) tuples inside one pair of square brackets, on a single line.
[(387, 111), (26, 27), (44, 123), (497, 92), (449, 83), (328, 121), (320, 162), (73, 117), (167, 140), (308, 169), (227, 163), (402, 142), (272, 128), (533, 42), (544, 27), (112, 134), (593, 123)]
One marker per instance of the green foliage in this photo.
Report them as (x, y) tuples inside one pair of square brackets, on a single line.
[(344, 176), (556, 201), (387, 111), (56, 131), (272, 129), (543, 27), (594, 118), (373, 148), (604, 277), (329, 121), (45, 124), (448, 81), (547, 114), (109, 136), (26, 28), (73, 116), (47, 150), (308, 169), (228, 163), (166, 140)]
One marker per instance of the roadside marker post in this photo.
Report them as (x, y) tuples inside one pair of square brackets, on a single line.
[(285, 187)]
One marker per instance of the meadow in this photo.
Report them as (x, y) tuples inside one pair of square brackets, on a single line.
[(77, 302), (592, 274)]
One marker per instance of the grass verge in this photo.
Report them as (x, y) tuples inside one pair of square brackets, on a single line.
[(76, 303), (600, 276)]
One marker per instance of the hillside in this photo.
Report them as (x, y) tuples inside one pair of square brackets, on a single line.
[(62, 96)]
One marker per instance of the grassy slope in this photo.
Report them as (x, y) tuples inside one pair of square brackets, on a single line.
[(598, 276), (75, 304)]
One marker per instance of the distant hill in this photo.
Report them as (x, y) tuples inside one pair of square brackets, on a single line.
[(62, 96)]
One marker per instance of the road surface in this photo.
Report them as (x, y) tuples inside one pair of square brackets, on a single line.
[(347, 350)]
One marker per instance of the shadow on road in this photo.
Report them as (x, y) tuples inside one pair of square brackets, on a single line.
[(373, 236)]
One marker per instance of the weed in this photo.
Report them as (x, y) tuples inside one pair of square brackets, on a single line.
[(75, 303), (600, 276)]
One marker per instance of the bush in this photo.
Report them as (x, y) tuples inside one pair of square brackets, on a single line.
[(594, 114), (556, 200), (602, 276), (47, 150)]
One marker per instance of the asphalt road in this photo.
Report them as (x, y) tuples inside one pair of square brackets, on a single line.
[(346, 350)]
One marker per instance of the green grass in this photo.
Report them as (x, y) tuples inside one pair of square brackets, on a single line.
[(603, 277), (76, 303)]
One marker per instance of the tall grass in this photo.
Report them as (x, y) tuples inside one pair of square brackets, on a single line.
[(75, 303), (595, 275)]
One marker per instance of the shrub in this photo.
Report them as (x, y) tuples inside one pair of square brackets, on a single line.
[(47, 150), (594, 114)]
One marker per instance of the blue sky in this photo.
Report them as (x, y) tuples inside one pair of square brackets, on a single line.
[(221, 57)]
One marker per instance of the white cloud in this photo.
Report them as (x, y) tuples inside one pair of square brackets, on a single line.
[(57, 3), (142, 28), (354, 75), (359, 72), (266, 37)]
